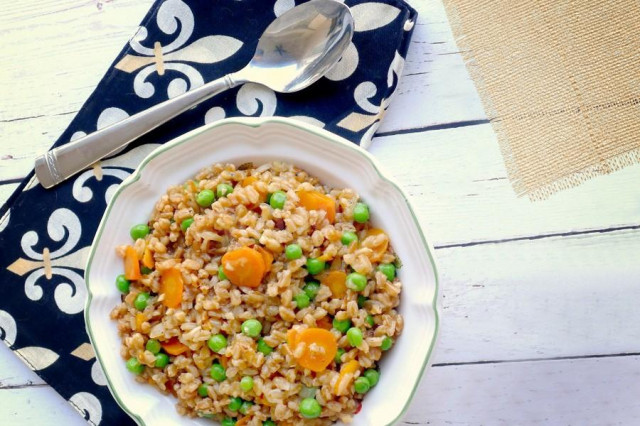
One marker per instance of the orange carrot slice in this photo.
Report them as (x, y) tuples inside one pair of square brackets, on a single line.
[(173, 346), (320, 348), (171, 285), (336, 281), (131, 264), (378, 248), (147, 258), (267, 257), (244, 267), (346, 373), (314, 200)]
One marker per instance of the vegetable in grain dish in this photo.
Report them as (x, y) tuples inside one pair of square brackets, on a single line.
[(259, 296)]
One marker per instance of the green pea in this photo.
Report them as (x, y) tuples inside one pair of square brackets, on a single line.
[(302, 300), (362, 385), (389, 270), (141, 301), (341, 325), (310, 408), (218, 373), (348, 237), (153, 346), (145, 271), (205, 198), (293, 252), (361, 300), (372, 375), (252, 327), (186, 223), (338, 357), (361, 213), (312, 288), (264, 348), (139, 231), (278, 199), (244, 408), (354, 336), (246, 383), (203, 390), (268, 422), (269, 198), (221, 275), (315, 266), (223, 189), (217, 342), (228, 421), (122, 284), (356, 281), (162, 360), (387, 342), (134, 366), (369, 320), (235, 403)]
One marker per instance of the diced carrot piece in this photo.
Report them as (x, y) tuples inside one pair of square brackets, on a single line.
[(267, 257), (336, 281), (320, 348), (314, 200), (244, 267), (173, 346), (378, 248), (346, 373), (172, 286), (244, 421), (324, 323), (147, 258), (131, 264), (249, 180), (140, 318)]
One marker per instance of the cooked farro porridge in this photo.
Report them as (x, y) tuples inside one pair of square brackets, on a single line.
[(259, 296)]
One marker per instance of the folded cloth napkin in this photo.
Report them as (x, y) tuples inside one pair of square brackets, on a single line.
[(45, 234)]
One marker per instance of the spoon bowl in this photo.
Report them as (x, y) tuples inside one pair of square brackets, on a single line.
[(300, 46), (295, 50)]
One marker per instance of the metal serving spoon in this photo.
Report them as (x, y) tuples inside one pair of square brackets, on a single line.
[(295, 50)]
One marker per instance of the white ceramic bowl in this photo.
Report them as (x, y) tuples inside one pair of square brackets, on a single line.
[(336, 162)]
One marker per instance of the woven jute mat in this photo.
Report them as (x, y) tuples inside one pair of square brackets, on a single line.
[(560, 82)]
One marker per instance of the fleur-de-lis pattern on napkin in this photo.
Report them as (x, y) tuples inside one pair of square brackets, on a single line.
[(182, 44)]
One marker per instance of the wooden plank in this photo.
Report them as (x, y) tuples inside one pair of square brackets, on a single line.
[(39, 405), (6, 190), (459, 187), (66, 46), (565, 392), (458, 184), (15, 373), (554, 297)]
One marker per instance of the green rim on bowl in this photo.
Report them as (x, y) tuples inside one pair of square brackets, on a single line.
[(255, 123)]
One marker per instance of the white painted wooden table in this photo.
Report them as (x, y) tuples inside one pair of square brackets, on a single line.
[(540, 320)]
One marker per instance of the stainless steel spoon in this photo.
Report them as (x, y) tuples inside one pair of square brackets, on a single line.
[(295, 50)]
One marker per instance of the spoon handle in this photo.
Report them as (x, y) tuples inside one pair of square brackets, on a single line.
[(63, 162)]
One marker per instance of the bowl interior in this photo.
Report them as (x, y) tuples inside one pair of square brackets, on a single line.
[(337, 163)]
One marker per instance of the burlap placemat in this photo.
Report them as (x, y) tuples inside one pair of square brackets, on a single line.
[(560, 82)]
